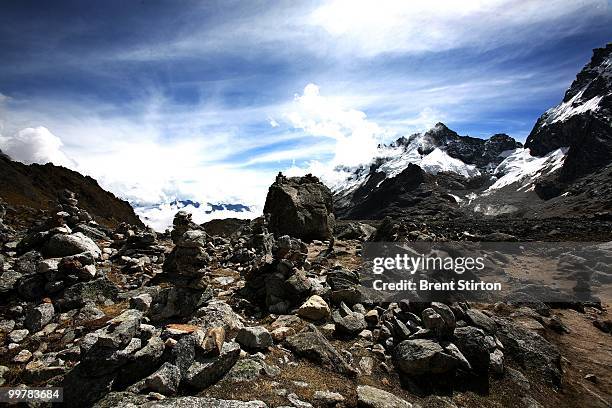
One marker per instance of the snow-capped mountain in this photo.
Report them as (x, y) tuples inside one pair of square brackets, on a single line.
[(582, 122), (160, 216), (465, 163), (441, 172)]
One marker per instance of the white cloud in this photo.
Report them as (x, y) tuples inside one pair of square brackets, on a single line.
[(35, 145), (370, 28), (356, 137), (365, 28), (273, 122)]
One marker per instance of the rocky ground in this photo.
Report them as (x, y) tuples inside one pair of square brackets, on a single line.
[(244, 315)]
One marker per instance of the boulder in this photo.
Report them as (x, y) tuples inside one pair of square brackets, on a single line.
[(28, 262), (350, 324), (423, 357), (17, 336), (475, 346), (314, 346), (217, 314), (141, 302), (371, 397), (315, 308), (254, 338), (177, 301), (9, 280), (95, 291), (60, 245), (530, 350), (440, 319), (31, 286), (38, 317), (301, 207), (165, 380), (120, 330), (479, 319), (205, 371)]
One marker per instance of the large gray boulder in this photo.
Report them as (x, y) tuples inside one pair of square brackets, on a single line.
[(38, 317), (60, 245), (301, 207), (313, 346), (426, 357), (207, 370), (254, 338), (371, 397), (530, 350)]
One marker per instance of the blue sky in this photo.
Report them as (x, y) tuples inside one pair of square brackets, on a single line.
[(208, 100)]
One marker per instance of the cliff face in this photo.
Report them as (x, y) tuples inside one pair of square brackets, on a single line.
[(36, 186)]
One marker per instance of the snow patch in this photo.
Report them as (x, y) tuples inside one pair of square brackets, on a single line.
[(439, 161), (574, 106), (523, 168)]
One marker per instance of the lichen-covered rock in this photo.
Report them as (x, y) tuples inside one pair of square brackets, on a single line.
[(205, 371), (311, 344), (166, 380)]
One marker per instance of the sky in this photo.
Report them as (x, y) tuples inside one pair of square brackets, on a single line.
[(208, 100)]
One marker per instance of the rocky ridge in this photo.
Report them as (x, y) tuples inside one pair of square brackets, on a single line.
[(35, 187)]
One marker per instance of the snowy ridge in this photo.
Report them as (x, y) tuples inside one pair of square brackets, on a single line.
[(524, 169), (160, 216), (397, 156), (504, 173), (575, 106)]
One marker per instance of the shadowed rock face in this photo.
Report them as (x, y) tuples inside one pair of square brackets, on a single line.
[(412, 192), (582, 121), (470, 150), (300, 207)]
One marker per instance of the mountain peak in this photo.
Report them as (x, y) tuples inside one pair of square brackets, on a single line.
[(581, 122), (440, 127)]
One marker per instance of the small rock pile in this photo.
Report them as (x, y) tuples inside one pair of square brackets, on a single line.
[(138, 250), (51, 260), (4, 230), (282, 283)]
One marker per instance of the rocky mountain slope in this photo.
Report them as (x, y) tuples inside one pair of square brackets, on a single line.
[(36, 186), (248, 318), (569, 146), (582, 122)]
